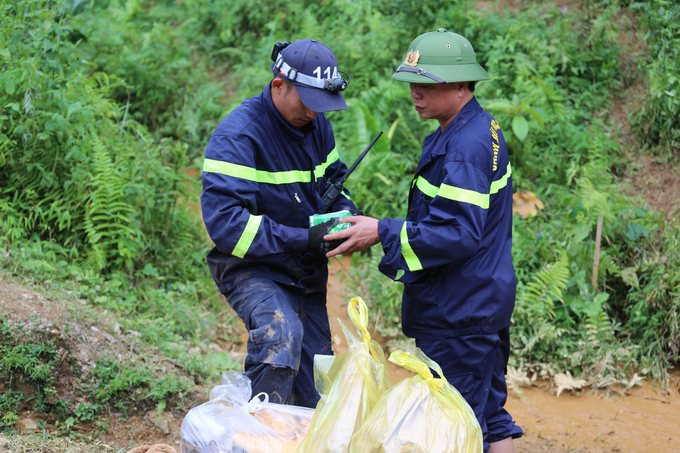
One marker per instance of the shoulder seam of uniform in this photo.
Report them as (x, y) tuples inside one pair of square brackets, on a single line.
[(258, 112), (468, 162)]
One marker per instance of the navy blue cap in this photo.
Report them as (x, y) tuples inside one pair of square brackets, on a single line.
[(307, 63)]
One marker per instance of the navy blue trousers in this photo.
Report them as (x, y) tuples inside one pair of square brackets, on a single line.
[(286, 327)]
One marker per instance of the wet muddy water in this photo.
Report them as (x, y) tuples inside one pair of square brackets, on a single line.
[(645, 419)]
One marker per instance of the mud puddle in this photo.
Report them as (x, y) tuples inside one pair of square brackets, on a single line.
[(644, 419)]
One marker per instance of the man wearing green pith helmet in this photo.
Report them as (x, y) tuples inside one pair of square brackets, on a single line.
[(453, 249)]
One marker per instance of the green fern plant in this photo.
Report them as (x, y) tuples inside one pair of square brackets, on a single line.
[(594, 201), (547, 286), (534, 330), (107, 219), (544, 332), (597, 327)]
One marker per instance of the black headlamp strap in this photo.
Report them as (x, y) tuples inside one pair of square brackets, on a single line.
[(420, 72)]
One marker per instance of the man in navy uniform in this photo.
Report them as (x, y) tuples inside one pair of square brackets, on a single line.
[(453, 250), (266, 167)]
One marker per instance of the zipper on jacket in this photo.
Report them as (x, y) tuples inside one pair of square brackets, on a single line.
[(297, 198)]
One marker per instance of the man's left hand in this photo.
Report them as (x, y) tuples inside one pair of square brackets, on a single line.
[(360, 236)]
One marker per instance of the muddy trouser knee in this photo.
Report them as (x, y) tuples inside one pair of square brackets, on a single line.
[(286, 328)]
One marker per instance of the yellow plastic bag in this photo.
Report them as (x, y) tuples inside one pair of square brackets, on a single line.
[(350, 385), (421, 414)]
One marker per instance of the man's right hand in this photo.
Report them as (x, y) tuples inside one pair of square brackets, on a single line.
[(360, 236), (315, 242)]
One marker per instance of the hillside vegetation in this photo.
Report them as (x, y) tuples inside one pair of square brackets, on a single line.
[(107, 107)]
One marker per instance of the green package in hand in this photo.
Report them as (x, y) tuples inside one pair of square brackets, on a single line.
[(316, 219)]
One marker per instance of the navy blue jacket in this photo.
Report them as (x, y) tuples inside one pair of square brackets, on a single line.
[(262, 179), (453, 251)]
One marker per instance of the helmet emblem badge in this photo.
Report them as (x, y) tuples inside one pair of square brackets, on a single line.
[(412, 58)]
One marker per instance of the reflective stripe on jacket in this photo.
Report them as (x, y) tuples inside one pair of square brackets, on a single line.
[(262, 179), (453, 250)]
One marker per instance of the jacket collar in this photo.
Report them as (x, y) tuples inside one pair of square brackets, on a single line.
[(468, 111), (282, 123)]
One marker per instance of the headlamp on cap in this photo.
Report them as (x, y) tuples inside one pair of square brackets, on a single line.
[(330, 84)]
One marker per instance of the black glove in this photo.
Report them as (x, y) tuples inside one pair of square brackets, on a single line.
[(315, 242)]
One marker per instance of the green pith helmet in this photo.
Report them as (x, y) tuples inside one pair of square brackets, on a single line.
[(440, 57)]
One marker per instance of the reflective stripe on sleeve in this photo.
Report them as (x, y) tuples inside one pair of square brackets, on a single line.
[(251, 174), (407, 252), (269, 177), (464, 195), (501, 183), (229, 169), (247, 236)]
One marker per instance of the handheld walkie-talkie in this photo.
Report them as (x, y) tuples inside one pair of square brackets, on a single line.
[(335, 187)]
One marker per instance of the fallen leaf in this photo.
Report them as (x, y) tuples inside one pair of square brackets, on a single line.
[(567, 382), (526, 204), (516, 379)]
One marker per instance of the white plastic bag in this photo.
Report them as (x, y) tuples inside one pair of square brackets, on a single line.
[(231, 422)]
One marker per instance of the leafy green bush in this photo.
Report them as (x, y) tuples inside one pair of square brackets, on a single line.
[(71, 173), (657, 122), (163, 85), (89, 200)]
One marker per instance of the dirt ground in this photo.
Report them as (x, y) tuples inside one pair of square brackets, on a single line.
[(83, 335)]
